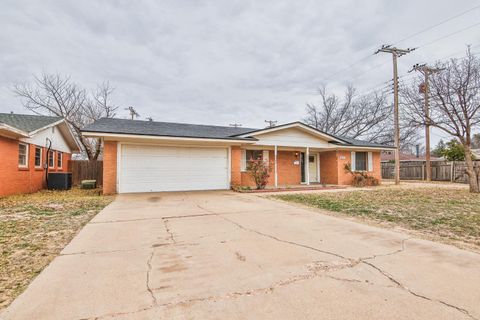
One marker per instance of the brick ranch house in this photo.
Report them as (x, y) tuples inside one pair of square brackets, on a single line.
[(24, 141), (147, 156)]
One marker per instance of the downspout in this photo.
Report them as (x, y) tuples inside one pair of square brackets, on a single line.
[(49, 143)]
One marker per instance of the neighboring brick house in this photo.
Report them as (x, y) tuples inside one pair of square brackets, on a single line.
[(24, 141), (147, 156)]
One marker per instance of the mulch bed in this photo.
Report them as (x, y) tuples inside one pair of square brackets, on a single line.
[(289, 189)]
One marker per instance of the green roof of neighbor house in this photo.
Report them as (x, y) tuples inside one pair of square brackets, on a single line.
[(27, 122)]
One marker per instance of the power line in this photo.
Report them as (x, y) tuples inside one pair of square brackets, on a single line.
[(437, 24), (450, 34), (409, 37), (348, 67)]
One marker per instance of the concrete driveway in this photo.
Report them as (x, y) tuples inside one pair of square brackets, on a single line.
[(221, 255)]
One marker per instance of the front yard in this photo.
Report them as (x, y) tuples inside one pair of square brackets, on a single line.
[(34, 228), (448, 215)]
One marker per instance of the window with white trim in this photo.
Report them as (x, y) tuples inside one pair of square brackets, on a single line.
[(59, 160), (362, 161), (51, 159), (23, 155), (38, 157), (253, 155)]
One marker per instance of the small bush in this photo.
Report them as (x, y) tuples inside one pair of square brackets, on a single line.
[(259, 171), (360, 178)]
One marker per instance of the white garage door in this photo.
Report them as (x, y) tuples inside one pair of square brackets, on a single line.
[(153, 168)]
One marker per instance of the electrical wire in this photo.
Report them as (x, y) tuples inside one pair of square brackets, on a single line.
[(437, 24), (409, 37)]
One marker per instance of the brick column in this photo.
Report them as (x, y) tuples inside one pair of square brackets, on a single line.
[(235, 175), (110, 167)]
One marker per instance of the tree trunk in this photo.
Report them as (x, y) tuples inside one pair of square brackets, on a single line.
[(471, 172), (98, 148)]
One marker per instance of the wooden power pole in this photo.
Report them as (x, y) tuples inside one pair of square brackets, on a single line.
[(396, 53), (133, 112), (426, 71), (271, 123)]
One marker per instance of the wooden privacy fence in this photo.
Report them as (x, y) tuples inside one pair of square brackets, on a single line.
[(86, 170), (454, 171)]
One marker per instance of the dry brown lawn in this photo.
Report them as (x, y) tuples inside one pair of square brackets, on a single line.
[(34, 228), (450, 215)]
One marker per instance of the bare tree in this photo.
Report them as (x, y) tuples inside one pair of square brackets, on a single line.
[(53, 94), (454, 104), (368, 117)]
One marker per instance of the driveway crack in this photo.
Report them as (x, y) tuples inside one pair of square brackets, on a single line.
[(147, 282), (353, 262)]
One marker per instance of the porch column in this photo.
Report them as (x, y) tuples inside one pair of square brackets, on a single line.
[(307, 166), (275, 167)]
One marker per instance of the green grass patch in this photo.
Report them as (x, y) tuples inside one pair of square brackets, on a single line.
[(34, 228), (452, 214)]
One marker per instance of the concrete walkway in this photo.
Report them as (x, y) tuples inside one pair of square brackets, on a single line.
[(222, 255)]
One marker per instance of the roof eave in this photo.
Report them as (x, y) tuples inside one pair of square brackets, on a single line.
[(289, 125), (12, 131), (100, 134), (357, 147)]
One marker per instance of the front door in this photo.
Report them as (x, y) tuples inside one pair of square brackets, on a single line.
[(312, 167)]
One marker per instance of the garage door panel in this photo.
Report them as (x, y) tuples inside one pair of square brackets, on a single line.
[(153, 168)]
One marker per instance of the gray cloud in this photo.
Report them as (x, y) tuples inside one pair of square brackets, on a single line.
[(217, 62)]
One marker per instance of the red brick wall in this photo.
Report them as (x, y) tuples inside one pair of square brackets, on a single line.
[(377, 166), (23, 180), (328, 167), (110, 167), (344, 177), (235, 175), (288, 173)]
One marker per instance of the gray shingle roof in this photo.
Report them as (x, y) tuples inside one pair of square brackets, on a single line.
[(165, 129), (361, 143), (170, 129), (27, 122)]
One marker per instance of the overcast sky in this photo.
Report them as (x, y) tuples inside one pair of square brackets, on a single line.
[(219, 62)]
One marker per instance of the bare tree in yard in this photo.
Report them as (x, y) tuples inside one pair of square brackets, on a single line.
[(368, 117), (454, 105), (57, 95)]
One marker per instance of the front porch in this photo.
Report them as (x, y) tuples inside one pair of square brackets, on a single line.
[(292, 167)]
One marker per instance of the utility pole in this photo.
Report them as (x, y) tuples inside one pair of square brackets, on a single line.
[(396, 53), (271, 123), (133, 112), (426, 71), (235, 125)]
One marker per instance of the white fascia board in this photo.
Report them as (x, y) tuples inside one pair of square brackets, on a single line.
[(13, 130), (161, 138), (293, 125), (362, 148), (31, 133), (72, 136)]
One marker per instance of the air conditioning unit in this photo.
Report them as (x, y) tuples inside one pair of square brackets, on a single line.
[(60, 181)]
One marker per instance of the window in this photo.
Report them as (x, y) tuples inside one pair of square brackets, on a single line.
[(249, 155), (311, 159), (38, 157), (361, 159), (51, 159), (59, 159), (254, 155), (23, 155)]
